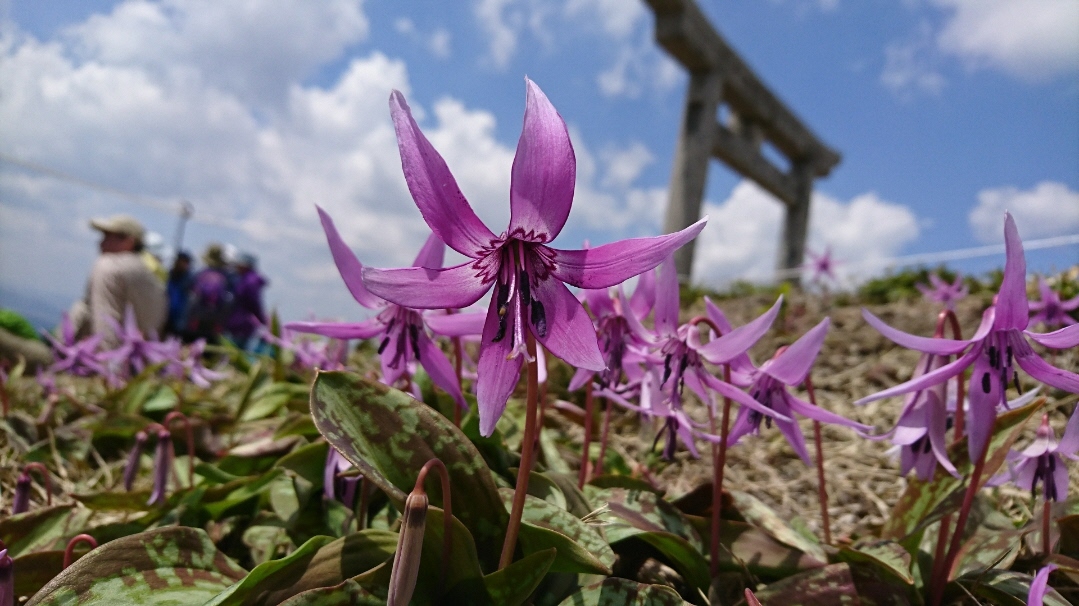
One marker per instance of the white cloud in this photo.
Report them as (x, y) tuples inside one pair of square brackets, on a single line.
[(1049, 209), (1031, 39), (618, 18), (741, 241), (910, 66), (438, 42), (623, 166), (502, 26)]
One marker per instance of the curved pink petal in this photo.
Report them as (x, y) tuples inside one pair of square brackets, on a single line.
[(793, 365), (1065, 338), (455, 325), (730, 391), (544, 172), (668, 302), (431, 254), (1011, 304), (731, 345), (339, 330), (580, 378), (1041, 370), (1039, 587), (634, 322), (644, 296), (570, 334), (929, 379), (348, 265), (599, 302), (986, 325), (937, 426), (497, 373), (1069, 442), (433, 187), (423, 288), (817, 413), (440, 370), (940, 347), (613, 263)]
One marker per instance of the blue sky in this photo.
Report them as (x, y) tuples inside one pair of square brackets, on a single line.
[(946, 112)]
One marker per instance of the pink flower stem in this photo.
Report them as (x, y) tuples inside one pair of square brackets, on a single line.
[(598, 470), (719, 458), (582, 474), (528, 443), (822, 487), (941, 577), (46, 478), (948, 316), (190, 441), (1047, 546), (447, 512), (69, 551)]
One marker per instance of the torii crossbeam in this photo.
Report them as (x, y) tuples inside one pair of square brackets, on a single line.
[(718, 77)]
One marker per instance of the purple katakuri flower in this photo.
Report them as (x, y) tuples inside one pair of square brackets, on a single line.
[(612, 329), (7, 578), (135, 351), (335, 464), (997, 346), (1051, 311), (527, 275), (131, 469), (1039, 587), (822, 265), (1041, 461), (187, 363), (789, 368), (162, 467), (20, 503), (942, 292), (79, 358), (403, 332), (679, 356)]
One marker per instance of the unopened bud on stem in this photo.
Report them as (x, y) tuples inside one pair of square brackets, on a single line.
[(131, 470), (406, 560), (162, 465)]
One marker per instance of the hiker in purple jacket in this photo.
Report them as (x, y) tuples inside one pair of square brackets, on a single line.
[(247, 313)]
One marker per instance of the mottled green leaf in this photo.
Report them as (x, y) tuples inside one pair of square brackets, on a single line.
[(172, 565), (828, 586), (987, 548), (348, 593), (576, 502), (389, 436), (307, 462), (463, 567), (620, 481), (923, 503), (550, 453), (589, 552), (888, 556), (1004, 588), (43, 529), (235, 498), (34, 570), (272, 397), (747, 546), (266, 543), (514, 583), (116, 501), (619, 592), (760, 515), (641, 511), (320, 562), (543, 488)]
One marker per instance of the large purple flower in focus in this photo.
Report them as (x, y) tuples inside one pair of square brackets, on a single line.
[(528, 277), (997, 347), (402, 331)]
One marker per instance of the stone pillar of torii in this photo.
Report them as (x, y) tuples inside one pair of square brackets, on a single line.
[(718, 77)]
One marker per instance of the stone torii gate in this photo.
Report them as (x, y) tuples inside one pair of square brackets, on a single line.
[(718, 77)]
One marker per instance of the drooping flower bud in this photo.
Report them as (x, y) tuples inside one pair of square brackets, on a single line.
[(132, 468), (21, 502), (7, 578), (162, 465), (406, 560)]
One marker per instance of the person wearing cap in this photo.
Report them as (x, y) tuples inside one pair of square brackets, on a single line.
[(120, 278)]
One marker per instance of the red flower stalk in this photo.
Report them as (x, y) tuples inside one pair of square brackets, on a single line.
[(69, 551)]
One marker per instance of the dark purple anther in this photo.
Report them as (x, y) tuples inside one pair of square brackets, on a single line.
[(162, 463), (132, 468)]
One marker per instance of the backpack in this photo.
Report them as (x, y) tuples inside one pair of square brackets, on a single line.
[(209, 306)]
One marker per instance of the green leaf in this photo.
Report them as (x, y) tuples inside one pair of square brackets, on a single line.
[(34, 570), (747, 546), (882, 573), (389, 436), (173, 565), (618, 592), (758, 514), (320, 562), (42, 529), (462, 569), (1004, 588), (642, 510), (349, 593), (618, 481), (987, 548), (116, 501), (888, 556), (236, 498), (272, 397), (828, 586), (576, 502), (514, 583), (581, 548), (923, 503), (162, 400)]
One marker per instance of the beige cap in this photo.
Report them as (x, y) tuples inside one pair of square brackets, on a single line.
[(125, 225)]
